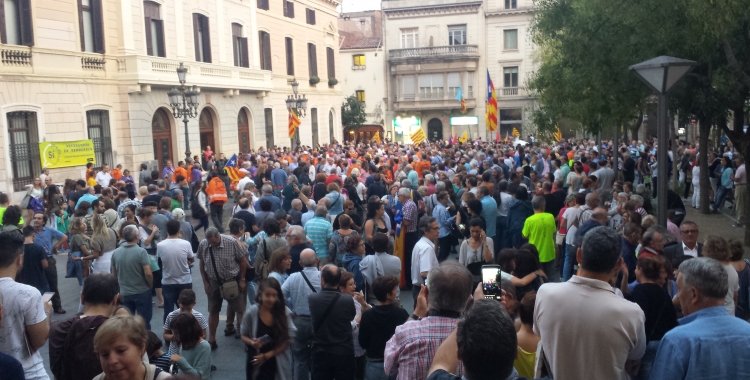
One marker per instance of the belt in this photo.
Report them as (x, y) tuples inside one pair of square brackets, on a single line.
[(380, 360), (303, 316), (740, 184)]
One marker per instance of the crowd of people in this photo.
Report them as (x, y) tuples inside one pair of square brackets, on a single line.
[(323, 245)]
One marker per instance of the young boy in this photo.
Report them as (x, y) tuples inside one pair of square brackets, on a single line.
[(186, 302), (156, 356), (34, 262)]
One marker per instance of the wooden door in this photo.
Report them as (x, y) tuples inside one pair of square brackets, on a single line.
[(162, 134)]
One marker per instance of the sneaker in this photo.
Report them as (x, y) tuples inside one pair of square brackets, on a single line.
[(738, 225), (60, 310), (229, 330)]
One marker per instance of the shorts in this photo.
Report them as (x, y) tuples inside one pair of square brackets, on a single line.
[(157, 279), (215, 300)]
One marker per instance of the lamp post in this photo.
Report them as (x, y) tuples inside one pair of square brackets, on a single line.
[(661, 74), (298, 104), (184, 102)]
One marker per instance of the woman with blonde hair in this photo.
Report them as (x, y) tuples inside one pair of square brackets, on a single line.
[(103, 245), (718, 249), (120, 343)]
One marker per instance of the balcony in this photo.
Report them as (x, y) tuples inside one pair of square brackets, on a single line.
[(438, 53), (158, 71), (409, 102), (512, 92)]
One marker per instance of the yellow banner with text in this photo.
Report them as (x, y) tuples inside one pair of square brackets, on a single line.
[(62, 154)]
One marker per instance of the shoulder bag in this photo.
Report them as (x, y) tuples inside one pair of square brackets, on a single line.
[(151, 250), (321, 322), (304, 276), (26, 200), (261, 266), (228, 290)]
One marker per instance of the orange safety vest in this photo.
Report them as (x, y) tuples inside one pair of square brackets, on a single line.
[(216, 191)]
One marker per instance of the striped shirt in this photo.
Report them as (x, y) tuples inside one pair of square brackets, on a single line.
[(410, 213), (175, 348), (319, 230)]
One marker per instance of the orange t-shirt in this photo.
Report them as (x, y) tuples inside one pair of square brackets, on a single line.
[(179, 171), (116, 174), (420, 167), (352, 167)]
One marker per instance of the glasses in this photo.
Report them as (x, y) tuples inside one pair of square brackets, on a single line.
[(689, 232)]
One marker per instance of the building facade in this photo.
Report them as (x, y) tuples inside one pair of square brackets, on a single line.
[(511, 61), (101, 70), (362, 66), (434, 48)]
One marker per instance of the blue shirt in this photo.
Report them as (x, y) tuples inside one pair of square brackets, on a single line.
[(489, 213), (44, 239), (413, 178), (319, 230), (708, 344), (726, 179), (278, 177), (296, 290), (336, 206), (86, 198), (275, 202), (444, 219)]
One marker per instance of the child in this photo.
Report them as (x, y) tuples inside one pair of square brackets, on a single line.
[(63, 220), (194, 358), (527, 340), (186, 302), (156, 356)]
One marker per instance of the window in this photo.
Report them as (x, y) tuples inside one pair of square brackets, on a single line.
[(265, 50), (289, 44), (408, 87), (312, 60), (470, 85), (360, 95), (239, 46), (431, 86), (511, 39), (409, 38), (510, 119), (268, 113), (16, 26), (310, 16), (154, 30), (331, 63), (359, 61), (288, 9), (263, 4), (314, 121), (24, 148), (457, 35), (510, 76), (98, 126), (202, 38), (510, 4), (90, 25), (454, 82)]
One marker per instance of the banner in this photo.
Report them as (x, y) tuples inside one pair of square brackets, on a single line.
[(294, 122), (66, 153), (418, 136)]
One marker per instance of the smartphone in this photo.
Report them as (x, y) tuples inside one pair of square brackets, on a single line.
[(490, 285), (46, 297), (265, 339)]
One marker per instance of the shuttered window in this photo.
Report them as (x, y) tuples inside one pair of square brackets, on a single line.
[(154, 30), (202, 38), (263, 4), (268, 113), (331, 63), (288, 9), (98, 126), (265, 50), (23, 136), (239, 47), (312, 60), (16, 25), (90, 25), (310, 16), (289, 45)]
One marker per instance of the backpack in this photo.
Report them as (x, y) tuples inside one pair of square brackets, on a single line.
[(430, 204)]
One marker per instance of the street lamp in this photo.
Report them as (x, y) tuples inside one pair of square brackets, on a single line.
[(298, 104), (184, 102), (661, 74)]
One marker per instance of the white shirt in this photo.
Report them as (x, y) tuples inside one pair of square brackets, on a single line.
[(734, 286), (22, 306), (103, 179), (174, 254), (690, 252), (558, 174), (423, 259), (697, 176), (242, 183)]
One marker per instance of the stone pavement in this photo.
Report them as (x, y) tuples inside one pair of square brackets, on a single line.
[(718, 223)]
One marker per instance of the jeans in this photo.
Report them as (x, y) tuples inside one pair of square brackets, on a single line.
[(326, 366), (570, 260), (140, 304), (375, 371), (549, 270), (501, 236), (75, 267), (51, 273), (444, 248), (203, 223), (301, 347), (251, 292), (410, 240), (171, 293), (721, 195), (647, 361), (217, 211), (739, 202), (186, 200)]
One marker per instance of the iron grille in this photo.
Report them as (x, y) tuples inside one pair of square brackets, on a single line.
[(98, 125), (24, 148)]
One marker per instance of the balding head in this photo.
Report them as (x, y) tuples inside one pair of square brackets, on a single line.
[(321, 211), (308, 259), (592, 200), (295, 235), (600, 215), (297, 204)]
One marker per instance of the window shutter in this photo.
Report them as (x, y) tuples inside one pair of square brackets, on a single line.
[(27, 25), (3, 39), (161, 49), (196, 35), (244, 47), (291, 9), (80, 25), (96, 15), (206, 41), (149, 47), (312, 13), (312, 60), (265, 51), (331, 66), (289, 56)]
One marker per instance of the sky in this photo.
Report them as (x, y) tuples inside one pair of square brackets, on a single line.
[(360, 5)]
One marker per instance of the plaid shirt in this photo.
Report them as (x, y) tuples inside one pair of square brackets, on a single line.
[(227, 256), (410, 213), (410, 351)]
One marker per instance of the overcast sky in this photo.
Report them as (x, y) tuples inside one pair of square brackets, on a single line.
[(360, 5)]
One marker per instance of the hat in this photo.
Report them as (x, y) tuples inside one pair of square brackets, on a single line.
[(110, 217), (178, 214)]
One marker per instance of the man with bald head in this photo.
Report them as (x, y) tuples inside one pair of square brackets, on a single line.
[(297, 289), (295, 213), (599, 217), (296, 239), (592, 202)]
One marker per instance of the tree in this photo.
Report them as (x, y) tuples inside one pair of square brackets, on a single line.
[(353, 112)]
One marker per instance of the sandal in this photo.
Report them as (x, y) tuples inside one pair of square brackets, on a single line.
[(213, 346)]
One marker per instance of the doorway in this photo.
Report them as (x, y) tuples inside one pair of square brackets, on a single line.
[(434, 129), (206, 130), (161, 131), (243, 130)]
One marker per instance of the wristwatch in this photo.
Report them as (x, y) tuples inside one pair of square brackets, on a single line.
[(415, 317)]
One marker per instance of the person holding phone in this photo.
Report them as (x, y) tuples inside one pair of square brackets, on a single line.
[(267, 329)]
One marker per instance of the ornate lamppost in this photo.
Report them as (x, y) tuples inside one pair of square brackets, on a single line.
[(184, 102), (299, 104)]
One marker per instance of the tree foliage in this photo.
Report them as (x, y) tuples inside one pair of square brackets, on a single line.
[(353, 112)]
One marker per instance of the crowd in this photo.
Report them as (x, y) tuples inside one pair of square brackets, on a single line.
[(322, 245)]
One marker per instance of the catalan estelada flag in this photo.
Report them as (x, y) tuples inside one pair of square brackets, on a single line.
[(293, 122), (491, 117), (233, 172)]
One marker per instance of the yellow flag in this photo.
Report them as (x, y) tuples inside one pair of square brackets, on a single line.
[(464, 138), (376, 138), (557, 135), (516, 133), (418, 136)]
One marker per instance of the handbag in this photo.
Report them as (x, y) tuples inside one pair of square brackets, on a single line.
[(26, 199), (559, 239), (261, 266), (227, 290)]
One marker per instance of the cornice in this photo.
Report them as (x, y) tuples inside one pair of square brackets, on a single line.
[(509, 12), (432, 10)]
